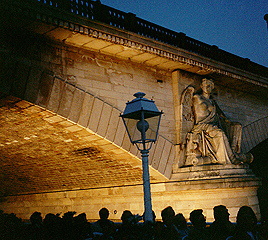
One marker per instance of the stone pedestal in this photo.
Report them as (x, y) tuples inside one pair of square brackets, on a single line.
[(210, 185), (213, 172)]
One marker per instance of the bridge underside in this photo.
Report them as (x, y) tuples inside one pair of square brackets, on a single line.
[(44, 152)]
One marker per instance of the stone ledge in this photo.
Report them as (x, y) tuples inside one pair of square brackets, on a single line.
[(212, 172), (241, 181)]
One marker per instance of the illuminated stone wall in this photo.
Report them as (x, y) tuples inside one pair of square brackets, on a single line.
[(115, 80), (182, 196)]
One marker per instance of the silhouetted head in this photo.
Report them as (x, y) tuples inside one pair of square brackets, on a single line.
[(36, 218), (180, 221), (167, 215), (104, 213), (197, 218), (81, 218), (126, 216), (51, 219), (246, 218), (221, 213)]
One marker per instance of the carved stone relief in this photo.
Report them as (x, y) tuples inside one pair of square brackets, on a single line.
[(208, 137)]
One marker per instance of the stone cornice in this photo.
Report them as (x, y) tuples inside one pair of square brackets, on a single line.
[(77, 24), (162, 50)]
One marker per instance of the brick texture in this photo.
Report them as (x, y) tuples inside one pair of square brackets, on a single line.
[(42, 152)]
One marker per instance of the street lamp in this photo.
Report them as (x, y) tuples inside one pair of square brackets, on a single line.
[(141, 119)]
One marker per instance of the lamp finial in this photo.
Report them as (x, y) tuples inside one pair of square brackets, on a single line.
[(139, 95)]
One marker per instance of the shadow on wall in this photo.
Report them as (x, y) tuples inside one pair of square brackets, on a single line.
[(260, 168)]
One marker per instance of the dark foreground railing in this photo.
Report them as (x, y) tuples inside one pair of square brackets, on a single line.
[(96, 11)]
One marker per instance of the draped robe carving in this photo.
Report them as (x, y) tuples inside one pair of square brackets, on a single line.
[(211, 138)]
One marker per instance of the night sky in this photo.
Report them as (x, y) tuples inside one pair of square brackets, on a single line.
[(236, 26)]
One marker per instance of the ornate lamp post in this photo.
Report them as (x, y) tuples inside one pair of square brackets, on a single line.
[(141, 119)]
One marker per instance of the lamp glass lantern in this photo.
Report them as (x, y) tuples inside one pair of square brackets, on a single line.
[(142, 119)]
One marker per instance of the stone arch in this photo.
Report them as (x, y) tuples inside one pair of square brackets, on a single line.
[(254, 133), (73, 102)]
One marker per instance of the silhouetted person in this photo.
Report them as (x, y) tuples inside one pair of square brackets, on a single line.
[(104, 226), (11, 227), (35, 231), (181, 225), (221, 228), (167, 215), (198, 230), (68, 225), (246, 228), (82, 228), (167, 230), (129, 230), (148, 228), (53, 227)]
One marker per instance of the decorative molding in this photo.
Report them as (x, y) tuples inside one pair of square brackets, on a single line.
[(98, 34)]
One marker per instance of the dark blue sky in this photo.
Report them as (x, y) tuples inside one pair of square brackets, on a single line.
[(236, 26)]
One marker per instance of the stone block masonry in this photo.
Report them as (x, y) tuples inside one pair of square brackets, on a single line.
[(118, 199)]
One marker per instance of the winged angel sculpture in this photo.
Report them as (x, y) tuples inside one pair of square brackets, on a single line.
[(210, 138)]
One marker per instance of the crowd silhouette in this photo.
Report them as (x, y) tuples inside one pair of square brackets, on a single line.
[(172, 226)]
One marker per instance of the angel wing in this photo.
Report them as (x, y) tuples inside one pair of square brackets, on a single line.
[(186, 124), (187, 116)]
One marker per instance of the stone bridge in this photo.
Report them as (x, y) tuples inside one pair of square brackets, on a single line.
[(66, 76)]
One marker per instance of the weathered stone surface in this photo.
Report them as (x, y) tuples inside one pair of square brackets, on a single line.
[(118, 199), (41, 153), (67, 150)]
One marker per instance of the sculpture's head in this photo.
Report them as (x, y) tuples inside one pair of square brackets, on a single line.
[(207, 85)]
